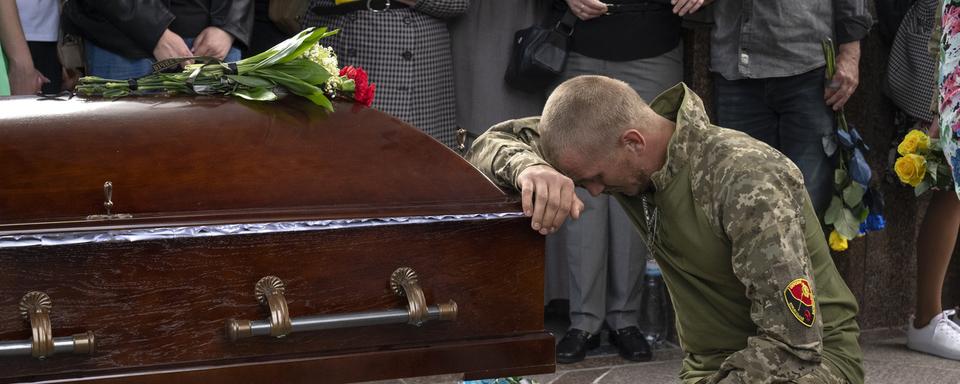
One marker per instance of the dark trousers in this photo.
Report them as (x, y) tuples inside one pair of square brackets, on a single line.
[(45, 60), (789, 114)]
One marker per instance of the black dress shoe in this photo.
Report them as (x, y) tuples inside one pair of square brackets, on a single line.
[(574, 346), (631, 344)]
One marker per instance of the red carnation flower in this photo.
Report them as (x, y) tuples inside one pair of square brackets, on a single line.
[(363, 91)]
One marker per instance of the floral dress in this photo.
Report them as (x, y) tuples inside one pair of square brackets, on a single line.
[(947, 44)]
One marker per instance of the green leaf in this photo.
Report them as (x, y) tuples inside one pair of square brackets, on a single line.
[(256, 94), (293, 84), (251, 81), (922, 187), (305, 70), (932, 170), (847, 225), (347, 84), (853, 194), (830, 56), (114, 93), (321, 100), (840, 178), (286, 50), (833, 212), (862, 212)]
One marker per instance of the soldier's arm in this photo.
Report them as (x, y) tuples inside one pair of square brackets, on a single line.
[(760, 206), (509, 155), (506, 149)]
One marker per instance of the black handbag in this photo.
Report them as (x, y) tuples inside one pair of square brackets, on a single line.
[(539, 55)]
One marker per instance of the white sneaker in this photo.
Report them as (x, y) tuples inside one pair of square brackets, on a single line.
[(941, 337)]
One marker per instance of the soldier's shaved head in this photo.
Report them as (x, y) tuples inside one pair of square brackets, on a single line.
[(587, 114)]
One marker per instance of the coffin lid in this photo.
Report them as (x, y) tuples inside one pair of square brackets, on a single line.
[(214, 160)]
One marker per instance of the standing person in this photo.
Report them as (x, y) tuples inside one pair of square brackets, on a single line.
[(932, 330), (637, 42), (757, 296), (265, 33), (769, 73), (18, 76), (124, 37), (481, 42), (41, 27), (404, 46)]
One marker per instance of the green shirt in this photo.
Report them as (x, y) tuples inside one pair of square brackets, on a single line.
[(737, 240), (4, 83)]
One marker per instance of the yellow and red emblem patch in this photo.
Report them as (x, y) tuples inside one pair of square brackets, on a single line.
[(799, 298)]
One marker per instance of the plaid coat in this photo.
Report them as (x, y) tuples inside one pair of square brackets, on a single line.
[(406, 53)]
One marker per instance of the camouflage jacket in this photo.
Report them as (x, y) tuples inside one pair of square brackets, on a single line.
[(757, 296)]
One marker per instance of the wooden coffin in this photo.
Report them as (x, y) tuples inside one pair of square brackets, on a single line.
[(209, 197)]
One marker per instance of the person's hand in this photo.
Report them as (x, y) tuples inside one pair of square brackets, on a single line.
[(548, 197), (170, 45), (587, 9), (846, 79), (25, 79), (683, 7), (213, 41)]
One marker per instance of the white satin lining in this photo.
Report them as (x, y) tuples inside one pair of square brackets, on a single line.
[(49, 239)]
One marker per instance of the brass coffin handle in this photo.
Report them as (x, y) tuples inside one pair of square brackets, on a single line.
[(403, 282), (35, 307)]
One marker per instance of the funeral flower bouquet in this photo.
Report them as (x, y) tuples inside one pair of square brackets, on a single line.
[(298, 65), (921, 163), (856, 208)]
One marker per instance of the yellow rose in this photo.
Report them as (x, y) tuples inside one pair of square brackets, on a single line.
[(914, 141), (910, 169), (837, 242)]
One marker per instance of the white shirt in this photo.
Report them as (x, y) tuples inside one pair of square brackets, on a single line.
[(40, 19)]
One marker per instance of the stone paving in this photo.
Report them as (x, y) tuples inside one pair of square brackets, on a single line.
[(886, 360)]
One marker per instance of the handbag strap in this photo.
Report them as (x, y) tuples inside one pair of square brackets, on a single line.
[(566, 23)]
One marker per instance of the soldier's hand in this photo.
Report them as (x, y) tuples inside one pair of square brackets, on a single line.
[(548, 197)]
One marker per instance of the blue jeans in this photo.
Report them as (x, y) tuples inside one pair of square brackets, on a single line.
[(789, 114), (108, 65)]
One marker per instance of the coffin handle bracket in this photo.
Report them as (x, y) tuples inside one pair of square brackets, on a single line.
[(403, 282), (35, 307)]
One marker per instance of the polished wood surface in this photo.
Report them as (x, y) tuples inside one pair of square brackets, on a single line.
[(157, 303), (158, 307), (524, 354), (221, 159)]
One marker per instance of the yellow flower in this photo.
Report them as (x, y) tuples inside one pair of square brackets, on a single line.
[(914, 142), (837, 242), (910, 169)]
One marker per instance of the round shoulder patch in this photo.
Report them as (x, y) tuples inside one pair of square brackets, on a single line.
[(799, 298)]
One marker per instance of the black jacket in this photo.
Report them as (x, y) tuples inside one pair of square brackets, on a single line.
[(132, 27), (624, 36)]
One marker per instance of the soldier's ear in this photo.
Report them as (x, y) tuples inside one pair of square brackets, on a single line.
[(633, 141)]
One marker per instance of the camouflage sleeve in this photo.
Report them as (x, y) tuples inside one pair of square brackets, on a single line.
[(759, 201), (506, 149)]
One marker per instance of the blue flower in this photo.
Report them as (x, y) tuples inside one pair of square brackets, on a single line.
[(845, 140), (859, 169), (857, 139), (874, 222)]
